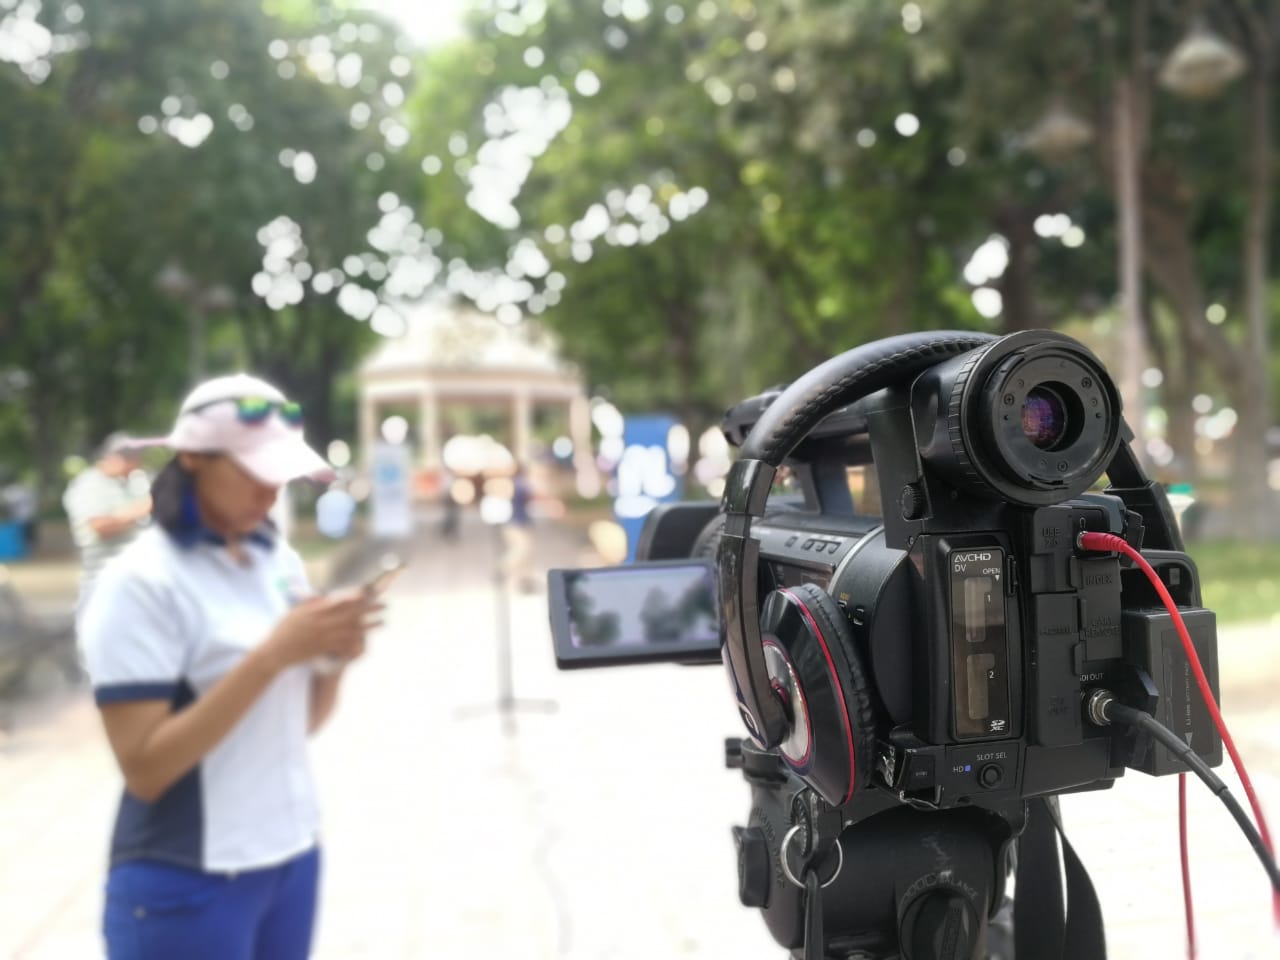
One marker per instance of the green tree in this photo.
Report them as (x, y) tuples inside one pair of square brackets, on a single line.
[(718, 224), (854, 157), (1206, 168), (175, 179)]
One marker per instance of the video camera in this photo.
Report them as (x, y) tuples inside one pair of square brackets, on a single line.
[(914, 632)]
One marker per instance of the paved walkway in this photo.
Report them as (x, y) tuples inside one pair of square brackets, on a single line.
[(599, 832)]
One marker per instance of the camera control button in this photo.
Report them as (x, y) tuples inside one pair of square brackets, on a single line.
[(912, 502), (991, 775), (920, 773)]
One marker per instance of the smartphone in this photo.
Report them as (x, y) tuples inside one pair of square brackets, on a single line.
[(388, 569)]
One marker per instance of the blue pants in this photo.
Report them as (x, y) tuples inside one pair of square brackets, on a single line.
[(157, 911)]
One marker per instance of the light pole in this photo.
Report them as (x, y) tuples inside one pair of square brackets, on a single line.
[(1200, 66), (1130, 109)]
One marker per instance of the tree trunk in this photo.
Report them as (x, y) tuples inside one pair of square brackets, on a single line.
[(1016, 286), (898, 314), (329, 363), (1254, 513), (681, 329), (1181, 377), (1129, 140), (1178, 390), (1169, 259), (46, 440)]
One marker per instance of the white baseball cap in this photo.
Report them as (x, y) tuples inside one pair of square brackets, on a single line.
[(252, 422)]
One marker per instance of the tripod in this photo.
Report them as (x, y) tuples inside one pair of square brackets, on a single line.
[(898, 884), (507, 704)]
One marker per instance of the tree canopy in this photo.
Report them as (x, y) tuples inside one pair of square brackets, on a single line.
[(183, 187), (700, 197), (717, 195)]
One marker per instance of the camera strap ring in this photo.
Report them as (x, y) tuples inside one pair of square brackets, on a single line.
[(789, 836)]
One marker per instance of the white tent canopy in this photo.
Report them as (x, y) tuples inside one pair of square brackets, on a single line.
[(455, 355)]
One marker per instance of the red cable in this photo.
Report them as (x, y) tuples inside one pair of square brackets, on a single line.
[(1109, 543), (1188, 906)]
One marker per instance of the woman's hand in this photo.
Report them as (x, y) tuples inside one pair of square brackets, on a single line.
[(324, 626), (155, 745)]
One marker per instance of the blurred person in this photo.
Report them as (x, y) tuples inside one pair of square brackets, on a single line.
[(23, 506), (211, 663), (335, 509), (517, 533), (107, 504), (449, 524)]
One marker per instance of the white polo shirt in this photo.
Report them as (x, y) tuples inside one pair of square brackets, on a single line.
[(94, 494), (168, 619)]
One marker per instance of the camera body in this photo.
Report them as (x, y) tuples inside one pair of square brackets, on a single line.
[(936, 651), (913, 664)]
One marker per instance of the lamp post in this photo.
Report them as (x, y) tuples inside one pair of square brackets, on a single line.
[(1060, 133), (1130, 141), (1200, 66)]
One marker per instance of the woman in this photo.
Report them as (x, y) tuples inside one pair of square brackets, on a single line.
[(200, 641)]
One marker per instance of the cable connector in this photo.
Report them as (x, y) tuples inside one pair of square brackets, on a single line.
[(1260, 838), (1097, 705), (1104, 709), (1091, 541)]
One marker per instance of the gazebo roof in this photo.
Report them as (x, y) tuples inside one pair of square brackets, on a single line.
[(445, 340)]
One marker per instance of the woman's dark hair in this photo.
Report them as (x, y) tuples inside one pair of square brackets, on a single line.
[(174, 508), (173, 503)]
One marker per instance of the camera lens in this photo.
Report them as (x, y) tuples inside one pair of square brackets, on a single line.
[(1044, 418)]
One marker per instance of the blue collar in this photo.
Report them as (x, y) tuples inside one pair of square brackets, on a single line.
[(190, 529)]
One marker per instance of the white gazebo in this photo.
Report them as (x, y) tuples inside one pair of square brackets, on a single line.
[(455, 355)]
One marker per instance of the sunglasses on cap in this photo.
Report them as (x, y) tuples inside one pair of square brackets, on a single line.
[(254, 410)]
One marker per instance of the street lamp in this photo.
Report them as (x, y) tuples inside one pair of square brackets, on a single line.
[(173, 280), (1201, 66), (1059, 133)]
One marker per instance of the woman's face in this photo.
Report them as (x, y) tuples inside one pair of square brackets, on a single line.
[(232, 501)]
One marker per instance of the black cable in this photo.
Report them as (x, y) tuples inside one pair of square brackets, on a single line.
[(1104, 708)]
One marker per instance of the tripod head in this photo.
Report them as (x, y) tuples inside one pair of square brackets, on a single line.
[(900, 883)]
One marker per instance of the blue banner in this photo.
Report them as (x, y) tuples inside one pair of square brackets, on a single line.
[(644, 474)]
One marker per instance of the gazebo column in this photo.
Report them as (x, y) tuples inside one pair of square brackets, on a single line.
[(522, 425), (368, 427), (429, 427), (580, 433)]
